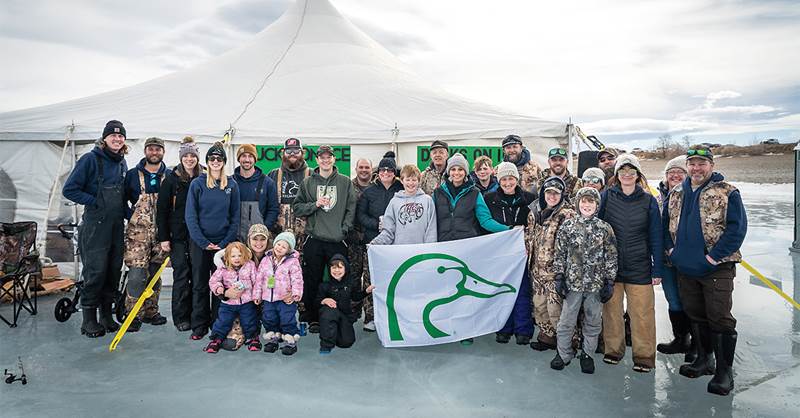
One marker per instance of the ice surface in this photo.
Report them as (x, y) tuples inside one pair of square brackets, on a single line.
[(160, 372)]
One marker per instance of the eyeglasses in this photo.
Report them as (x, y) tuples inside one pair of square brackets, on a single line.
[(607, 158), (557, 152), (627, 171), (293, 151), (593, 180), (215, 158), (700, 152)]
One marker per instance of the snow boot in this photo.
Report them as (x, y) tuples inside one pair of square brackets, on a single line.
[(90, 327), (290, 345), (724, 350), (135, 325), (523, 339), (587, 363), (558, 363), (272, 340), (502, 338), (680, 331), (703, 364), (106, 318), (157, 319)]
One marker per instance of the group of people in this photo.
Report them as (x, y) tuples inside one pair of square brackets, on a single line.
[(597, 245)]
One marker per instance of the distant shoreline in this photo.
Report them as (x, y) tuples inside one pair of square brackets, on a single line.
[(768, 168)]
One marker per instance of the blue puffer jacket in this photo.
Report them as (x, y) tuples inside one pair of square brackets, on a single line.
[(81, 185)]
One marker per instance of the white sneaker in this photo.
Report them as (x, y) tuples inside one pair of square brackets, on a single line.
[(369, 326)]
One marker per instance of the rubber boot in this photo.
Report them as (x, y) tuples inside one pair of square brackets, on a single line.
[(724, 350), (691, 355), (107, 319), (680, 331), (90, 327), (704, 363)]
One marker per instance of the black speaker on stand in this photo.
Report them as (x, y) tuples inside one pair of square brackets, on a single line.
[(586, 159)]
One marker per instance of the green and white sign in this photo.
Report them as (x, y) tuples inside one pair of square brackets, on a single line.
[(444, 292), (472, 153), (269, 157)]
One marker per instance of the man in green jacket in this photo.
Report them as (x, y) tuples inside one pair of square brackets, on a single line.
[(328, 201)]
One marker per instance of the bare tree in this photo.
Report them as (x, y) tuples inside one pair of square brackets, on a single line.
[(686, 141), (663, 143)]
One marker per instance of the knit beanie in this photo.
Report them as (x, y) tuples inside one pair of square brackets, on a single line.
[(217, 149), (188, 146), (113, 127), (628, 159), (677, 162), (388, 162), (256, 230), (507, 169), (587, 192), (246, 148), (594, 172), (457, 160), (286, 236)]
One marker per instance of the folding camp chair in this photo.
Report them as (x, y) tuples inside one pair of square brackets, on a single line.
[(20, 266)]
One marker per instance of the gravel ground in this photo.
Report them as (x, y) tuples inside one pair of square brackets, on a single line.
[(750, 169)]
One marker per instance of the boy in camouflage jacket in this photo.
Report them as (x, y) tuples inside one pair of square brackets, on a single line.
[(585, 266)]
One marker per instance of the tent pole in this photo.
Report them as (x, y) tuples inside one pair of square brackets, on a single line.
[(395, 134), (67, 140)]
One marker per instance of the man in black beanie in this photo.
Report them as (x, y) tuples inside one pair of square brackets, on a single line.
[(97, 183)]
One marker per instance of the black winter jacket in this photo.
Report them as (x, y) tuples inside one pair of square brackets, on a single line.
[(372, 205), (507, 210), (171, 207), (342, 291)]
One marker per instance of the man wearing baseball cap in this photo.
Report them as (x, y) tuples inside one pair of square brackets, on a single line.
[(705, 225), (328, 201), (143, 254), (557, 160), (288, 178), (97, 182), (529, 172), (606, 161), (433, 175), (259, 199)]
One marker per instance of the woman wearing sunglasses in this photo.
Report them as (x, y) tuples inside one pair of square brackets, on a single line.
[(636, 220), (212, 217)]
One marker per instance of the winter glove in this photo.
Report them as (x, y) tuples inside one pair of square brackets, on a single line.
[(561, 286), (607, 292)]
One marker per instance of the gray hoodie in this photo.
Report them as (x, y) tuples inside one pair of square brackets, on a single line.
[(408, 220)]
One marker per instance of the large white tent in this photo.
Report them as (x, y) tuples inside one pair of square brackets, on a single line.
[(311, 74)]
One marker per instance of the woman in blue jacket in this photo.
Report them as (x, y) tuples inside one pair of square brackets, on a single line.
[(212, 218)]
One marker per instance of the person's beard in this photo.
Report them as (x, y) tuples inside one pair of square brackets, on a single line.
[(292, 166), (154, 159)]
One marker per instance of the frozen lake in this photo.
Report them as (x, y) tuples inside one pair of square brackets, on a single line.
[(159, 371)]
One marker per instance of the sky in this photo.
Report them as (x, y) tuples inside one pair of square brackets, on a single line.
[(626, 71)]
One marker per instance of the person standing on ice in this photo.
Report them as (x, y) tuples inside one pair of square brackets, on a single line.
[(212, 218), (356, 247), (97, 182), (461, 211), (410, 217), (483, 176), (328, 201), (369, 213), (705, 225), (171, 229), (288, 178), (143, 252), (606, 159), (529, 172), (547, 215), (259, 201), (434, 174), (674, 175), (509, 206), (633, 214)]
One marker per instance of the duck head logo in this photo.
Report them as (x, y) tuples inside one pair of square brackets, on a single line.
[(470, 284)]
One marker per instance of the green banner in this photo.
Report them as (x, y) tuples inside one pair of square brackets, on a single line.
[(472, 153), (269, 157)]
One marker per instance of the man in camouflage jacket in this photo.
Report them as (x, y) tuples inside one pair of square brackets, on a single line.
[(544, 221), (705, 225), (433, 175), (557, 159), (529, 172), (585, 266)]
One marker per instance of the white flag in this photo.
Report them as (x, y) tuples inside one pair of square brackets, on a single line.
[(429, 294)]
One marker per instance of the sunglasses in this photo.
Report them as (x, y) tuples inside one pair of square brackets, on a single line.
[(293, 151), (385, 170), (627, 172), (593, 180), (608, 158), (557, 152), (215, 158), (700, 152)]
